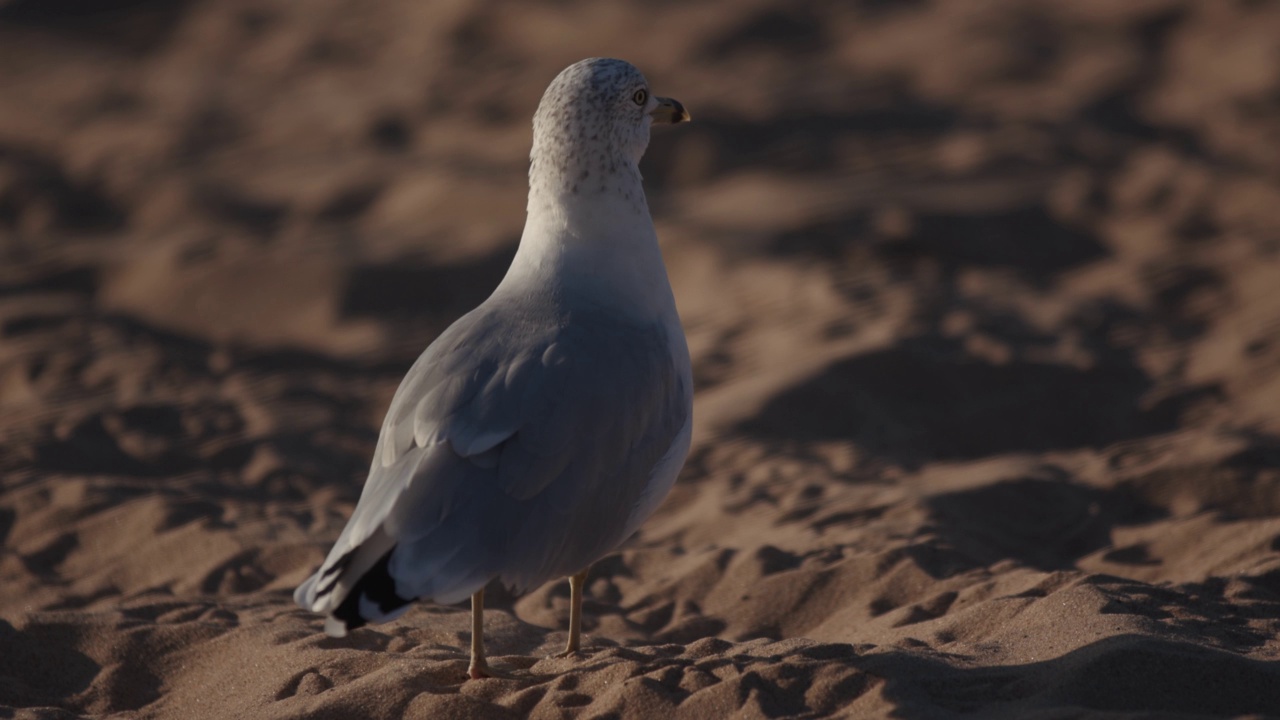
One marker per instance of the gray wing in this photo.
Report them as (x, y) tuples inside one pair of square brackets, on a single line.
[(516, 447)]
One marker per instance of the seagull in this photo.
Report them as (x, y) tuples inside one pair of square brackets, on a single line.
[(537, 432)]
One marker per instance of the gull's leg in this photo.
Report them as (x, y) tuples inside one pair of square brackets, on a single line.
[(576, 583), (479, 667)]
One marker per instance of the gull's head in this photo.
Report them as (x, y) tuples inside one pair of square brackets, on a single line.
[(596, 116)]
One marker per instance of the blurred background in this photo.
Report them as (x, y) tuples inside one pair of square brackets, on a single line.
[(1020, 257), (996, 225)]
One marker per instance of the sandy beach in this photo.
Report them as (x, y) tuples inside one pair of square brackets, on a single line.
[(983, 300)]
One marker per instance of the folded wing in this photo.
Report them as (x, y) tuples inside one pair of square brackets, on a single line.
[(517, 447)]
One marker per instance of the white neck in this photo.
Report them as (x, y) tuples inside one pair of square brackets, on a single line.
[(593, 238)]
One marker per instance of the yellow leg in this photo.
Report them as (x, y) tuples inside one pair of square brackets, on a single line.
[(576, 583), (479, 667)]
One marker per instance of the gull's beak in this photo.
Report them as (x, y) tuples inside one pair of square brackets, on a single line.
[(669, 111)]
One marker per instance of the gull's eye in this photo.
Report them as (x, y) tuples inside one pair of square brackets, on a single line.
[(641, 96)]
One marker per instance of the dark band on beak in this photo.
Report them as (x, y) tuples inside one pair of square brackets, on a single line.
[(670, 111)]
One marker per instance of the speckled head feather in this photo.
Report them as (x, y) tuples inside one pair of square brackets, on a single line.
[(591, 127)]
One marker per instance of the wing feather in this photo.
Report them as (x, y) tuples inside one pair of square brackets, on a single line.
[(517, 459)]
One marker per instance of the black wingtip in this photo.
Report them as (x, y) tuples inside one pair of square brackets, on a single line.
[(379, 587)]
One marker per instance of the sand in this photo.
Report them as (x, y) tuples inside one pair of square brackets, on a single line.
[(983, 300)]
